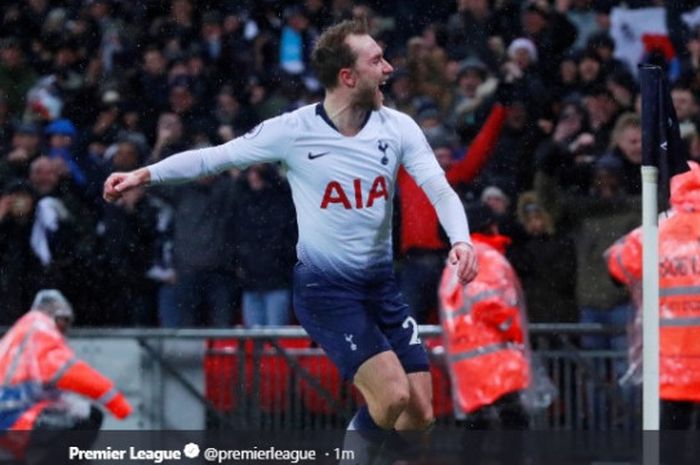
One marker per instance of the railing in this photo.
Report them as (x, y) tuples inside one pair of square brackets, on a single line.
[(273, 379)]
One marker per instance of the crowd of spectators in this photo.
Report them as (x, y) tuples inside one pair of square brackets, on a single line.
[(88, 87)]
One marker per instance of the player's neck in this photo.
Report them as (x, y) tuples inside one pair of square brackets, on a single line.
[(346, 116)]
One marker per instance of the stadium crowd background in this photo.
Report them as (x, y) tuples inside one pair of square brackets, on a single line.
[(94, 86)]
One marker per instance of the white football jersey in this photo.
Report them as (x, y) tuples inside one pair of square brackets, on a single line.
[(342, 186)]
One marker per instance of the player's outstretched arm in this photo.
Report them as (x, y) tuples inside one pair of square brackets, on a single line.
[(463, 256), (266, 143), (118, 183)]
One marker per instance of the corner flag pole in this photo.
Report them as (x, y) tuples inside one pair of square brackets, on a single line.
[(650, 80), (650, 298)]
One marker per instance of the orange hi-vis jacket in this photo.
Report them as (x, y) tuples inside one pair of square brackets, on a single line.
[(36, 364), (485, 330), (679, 288)]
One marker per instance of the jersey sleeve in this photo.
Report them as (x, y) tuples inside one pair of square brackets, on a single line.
[(417, 156), (448, 208), (267, 142)]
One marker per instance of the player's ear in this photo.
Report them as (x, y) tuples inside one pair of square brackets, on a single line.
[(347, 77)]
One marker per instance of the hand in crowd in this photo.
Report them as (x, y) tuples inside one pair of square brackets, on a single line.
[(165, 134), (511, 72), (105, 119), (583, 140), (567, 127), (15, 205), (167, 127), (21, 205), (18, 155)]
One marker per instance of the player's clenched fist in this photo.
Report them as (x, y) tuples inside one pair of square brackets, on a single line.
[(118, 183), (463, 256)]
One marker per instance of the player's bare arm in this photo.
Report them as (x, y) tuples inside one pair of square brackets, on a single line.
[(118, 183)]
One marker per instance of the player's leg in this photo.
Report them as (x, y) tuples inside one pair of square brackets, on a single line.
[(337, 318), (395, 401), (418, 414), (357, 331), (386, 389), (401, 329)]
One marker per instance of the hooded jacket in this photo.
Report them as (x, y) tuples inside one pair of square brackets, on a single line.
[(485, 329), (36, 364), (679, 289)]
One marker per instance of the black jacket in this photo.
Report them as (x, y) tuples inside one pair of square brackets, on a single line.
[(266, 234)]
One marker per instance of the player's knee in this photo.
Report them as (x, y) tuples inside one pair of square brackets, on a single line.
[(388, 414), (399, 398), (424, 417), (424, 402), (420, 406), (395, 400), (387, 405)]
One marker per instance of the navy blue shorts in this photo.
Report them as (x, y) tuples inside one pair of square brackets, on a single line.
[(354, 323)]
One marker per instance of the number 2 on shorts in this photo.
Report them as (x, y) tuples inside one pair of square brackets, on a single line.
[(414, 326)]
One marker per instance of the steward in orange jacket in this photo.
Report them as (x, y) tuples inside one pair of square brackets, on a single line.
[(679, 303), (485, 330), (38, 368)]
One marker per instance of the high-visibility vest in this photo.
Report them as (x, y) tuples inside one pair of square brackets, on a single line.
[(679, 288), (484, 328), (36, 363)]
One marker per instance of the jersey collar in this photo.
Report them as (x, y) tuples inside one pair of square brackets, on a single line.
[(321, 111)]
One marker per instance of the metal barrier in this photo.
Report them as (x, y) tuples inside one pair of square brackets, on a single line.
[(274, 379)]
